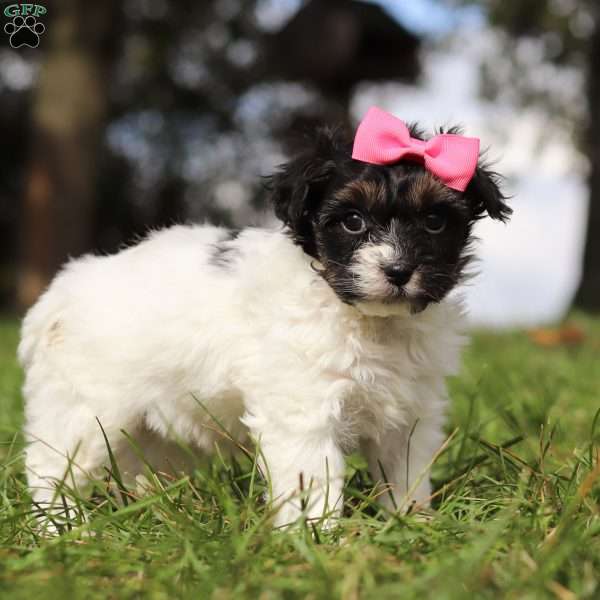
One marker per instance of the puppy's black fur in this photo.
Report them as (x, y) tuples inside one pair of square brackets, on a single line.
[(336, 208), (224, 252)]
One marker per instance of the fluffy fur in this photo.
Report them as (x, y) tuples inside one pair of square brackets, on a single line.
[(312, 339)]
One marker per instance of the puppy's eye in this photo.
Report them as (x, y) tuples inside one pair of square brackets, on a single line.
[(354, 223), (435, 222)]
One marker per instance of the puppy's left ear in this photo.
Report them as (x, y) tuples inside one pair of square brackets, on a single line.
[(485, 194)]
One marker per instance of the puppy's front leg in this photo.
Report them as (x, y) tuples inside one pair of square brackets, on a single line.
[(401, 460), (306, 474)]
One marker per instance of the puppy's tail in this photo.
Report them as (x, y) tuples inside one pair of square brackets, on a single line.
[(39, 322)]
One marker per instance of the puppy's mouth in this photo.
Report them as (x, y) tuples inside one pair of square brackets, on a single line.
[(397, 304), (416, 301), (407, 297)]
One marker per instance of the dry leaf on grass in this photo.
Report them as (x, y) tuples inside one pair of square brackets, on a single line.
[(567, 335)]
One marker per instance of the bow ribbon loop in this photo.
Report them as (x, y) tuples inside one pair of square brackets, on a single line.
[(382, 139)]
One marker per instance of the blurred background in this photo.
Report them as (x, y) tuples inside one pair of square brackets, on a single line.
[(136, 114)]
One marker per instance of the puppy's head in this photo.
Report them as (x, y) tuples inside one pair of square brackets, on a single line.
[(382, 234)]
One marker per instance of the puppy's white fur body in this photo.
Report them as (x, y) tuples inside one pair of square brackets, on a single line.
[(156, 338)]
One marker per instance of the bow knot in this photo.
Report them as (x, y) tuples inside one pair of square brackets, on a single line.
[(382, 139)]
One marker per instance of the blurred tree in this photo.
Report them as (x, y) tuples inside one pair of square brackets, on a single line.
[(568, 32), (147, 112), (68, 115)]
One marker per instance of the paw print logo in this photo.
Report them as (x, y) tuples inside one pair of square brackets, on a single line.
[(24, 31)]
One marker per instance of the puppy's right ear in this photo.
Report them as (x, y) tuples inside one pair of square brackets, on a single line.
[(299, 185)]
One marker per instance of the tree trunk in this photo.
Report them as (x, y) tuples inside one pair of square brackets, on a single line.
[(588, 296), (68, 117)]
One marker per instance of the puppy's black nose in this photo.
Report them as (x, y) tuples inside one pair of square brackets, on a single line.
[(398, 274)]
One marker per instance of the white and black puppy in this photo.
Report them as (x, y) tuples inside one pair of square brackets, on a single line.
[(330, 334)]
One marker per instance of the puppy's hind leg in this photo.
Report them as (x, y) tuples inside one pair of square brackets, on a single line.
[(62, 457), (54, 480)]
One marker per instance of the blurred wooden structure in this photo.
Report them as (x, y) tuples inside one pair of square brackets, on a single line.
[(334, 45)]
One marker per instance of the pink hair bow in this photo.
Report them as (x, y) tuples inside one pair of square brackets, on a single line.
[(382, 139)]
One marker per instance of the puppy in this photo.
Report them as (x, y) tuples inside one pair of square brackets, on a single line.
[(332, 333)]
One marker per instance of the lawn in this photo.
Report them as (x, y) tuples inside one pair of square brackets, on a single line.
[(516, 515)]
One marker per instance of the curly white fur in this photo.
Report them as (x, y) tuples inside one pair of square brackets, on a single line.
[(155, 339)]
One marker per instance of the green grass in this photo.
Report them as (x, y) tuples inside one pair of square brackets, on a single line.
[(520, 521)]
